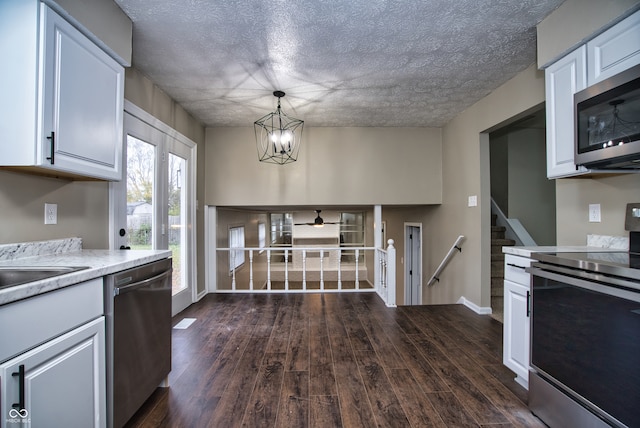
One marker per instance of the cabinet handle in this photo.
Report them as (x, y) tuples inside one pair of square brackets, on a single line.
[(528, 304), (516, 266), (20, 373), (52, 139)]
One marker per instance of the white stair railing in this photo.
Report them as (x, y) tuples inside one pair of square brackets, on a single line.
[(374, 266), (452, 251)]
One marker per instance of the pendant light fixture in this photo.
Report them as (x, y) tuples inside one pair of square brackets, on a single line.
[(278, 136)]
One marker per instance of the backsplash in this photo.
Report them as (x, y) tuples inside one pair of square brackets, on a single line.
[(612, 242), (39, 248)]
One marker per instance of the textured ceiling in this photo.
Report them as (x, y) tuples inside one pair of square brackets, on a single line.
[(340, 62)]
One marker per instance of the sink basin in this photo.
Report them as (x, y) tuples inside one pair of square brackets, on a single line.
[(10, 276)]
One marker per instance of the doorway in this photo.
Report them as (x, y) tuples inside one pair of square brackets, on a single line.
[(413, 263), (153, 206)]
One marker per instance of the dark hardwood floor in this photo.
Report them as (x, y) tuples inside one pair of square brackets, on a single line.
[(332, 360)]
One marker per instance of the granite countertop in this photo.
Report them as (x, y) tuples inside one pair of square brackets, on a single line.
[(99, 262)]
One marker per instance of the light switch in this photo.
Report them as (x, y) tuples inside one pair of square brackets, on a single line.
[(473, 201)]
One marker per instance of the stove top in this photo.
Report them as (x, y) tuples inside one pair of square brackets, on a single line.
[(622, 264)]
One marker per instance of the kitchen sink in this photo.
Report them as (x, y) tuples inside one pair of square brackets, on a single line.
[(16, 275)]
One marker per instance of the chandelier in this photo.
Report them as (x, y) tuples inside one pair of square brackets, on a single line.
[(278, 136)]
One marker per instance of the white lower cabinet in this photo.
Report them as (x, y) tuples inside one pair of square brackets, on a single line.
[(53, 360), (516, 330), (61, 383)]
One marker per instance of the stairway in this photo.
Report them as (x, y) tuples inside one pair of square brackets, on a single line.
[(497, 268)]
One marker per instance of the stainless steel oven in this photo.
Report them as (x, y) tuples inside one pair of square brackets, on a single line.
[(585, 339)]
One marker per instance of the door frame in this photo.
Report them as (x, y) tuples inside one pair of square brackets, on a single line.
[(189, 295), (408, 228)]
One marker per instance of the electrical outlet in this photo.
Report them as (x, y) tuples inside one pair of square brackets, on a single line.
[(594, 213), (50, 213)]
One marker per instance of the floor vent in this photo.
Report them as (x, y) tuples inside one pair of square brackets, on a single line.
[(184, 323)]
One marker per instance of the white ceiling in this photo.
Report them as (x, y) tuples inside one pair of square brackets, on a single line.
[(340, 62)]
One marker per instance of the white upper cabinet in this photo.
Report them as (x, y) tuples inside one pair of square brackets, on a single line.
[(63, 97), (606, 55), (615, 50), (563, 79)]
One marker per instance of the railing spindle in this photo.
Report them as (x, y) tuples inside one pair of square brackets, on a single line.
[(251, 269), (304, 269), (286, 269), (233, 271), (321, 270), (357, 269), (339, 271), (268, 269)]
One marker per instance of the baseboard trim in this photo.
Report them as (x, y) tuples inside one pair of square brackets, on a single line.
[(475, 308)]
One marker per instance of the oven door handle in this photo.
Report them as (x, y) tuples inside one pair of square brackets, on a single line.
[(589, 282), (131, 287)]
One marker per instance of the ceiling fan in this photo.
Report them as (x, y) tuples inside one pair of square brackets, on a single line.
[(317, 222)]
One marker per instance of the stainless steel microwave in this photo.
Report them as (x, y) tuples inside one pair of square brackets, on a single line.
[(607, 123)]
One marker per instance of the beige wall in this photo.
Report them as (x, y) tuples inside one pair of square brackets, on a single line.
[(576, 21), (145, 94), (466, 173), (573, 197), (532, 197), (105, 20), (83, 208), (395, 218), (336, 166)]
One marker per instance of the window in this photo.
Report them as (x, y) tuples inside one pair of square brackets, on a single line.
[(236, 240), (262, 236), (281, 227)]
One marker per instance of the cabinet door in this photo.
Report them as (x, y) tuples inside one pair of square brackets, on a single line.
[(516, 331), (63, 382), (83, 103), (563, 79), (615, 50)]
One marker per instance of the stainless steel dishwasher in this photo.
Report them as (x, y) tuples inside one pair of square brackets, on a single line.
[(138, 314)]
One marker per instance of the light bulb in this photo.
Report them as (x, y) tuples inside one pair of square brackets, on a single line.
[(286, 136)]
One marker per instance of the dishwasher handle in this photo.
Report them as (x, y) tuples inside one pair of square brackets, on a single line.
[(131, 287)]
